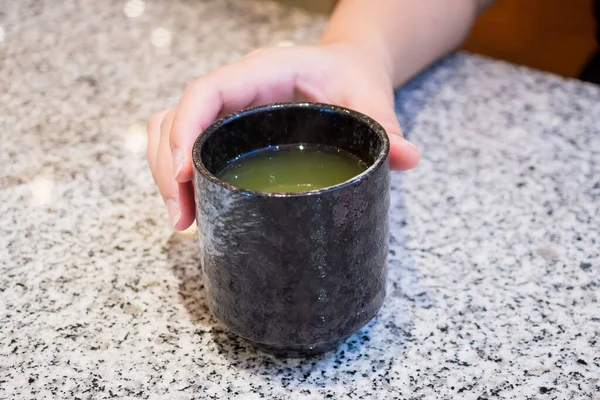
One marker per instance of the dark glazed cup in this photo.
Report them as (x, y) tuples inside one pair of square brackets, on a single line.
[(293, 273)]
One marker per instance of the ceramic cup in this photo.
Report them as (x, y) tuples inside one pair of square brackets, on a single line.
[(294, 274)]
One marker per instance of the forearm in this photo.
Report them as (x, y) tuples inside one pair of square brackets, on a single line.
[(403, 35)]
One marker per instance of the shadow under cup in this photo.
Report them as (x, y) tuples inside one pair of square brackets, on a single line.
[(293, 273)]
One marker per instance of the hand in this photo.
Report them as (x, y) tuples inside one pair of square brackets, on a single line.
[(338, 74)]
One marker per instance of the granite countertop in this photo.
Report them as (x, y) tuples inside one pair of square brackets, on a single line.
[(494, 269)]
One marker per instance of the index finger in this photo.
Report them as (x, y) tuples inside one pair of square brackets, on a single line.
[(225, 90)]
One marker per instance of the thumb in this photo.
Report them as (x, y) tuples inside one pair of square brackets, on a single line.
[(403, 154)]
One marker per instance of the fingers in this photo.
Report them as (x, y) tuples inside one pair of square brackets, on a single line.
[(153, 138), (251, 81), (403, 154), (171, 133), (178, 198), (379, 106), (163, 173), (187, 205)]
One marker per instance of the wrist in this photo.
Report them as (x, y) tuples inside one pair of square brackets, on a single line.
[(373, 53)]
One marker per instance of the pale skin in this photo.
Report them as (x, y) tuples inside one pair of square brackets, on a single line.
[(368, 49)]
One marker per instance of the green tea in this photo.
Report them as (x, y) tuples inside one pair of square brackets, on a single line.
[(292, 168)]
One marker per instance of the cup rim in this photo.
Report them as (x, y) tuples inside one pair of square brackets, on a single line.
[(215, 126)]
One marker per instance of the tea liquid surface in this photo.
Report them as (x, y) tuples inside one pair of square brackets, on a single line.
[(292, 168)]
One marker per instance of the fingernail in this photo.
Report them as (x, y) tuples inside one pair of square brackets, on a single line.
[(177, 162), (174, 212), (410, 144), (415, 149), (400, 139)]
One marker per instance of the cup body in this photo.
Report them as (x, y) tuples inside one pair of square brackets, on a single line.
[(293, 273)]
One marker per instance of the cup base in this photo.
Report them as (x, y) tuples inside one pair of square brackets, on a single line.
[(298, 351)]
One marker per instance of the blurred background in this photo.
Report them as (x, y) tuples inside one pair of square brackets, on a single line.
[(552, 35)]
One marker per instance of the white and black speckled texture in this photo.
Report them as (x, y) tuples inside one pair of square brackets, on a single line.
[(494, 271)]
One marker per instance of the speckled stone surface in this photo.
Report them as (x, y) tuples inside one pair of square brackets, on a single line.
[(494, 273)]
